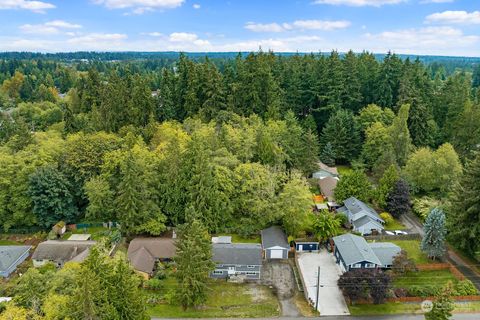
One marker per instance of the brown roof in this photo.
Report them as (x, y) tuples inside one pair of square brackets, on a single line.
[(332, 170), (327, 186), (143, 252)]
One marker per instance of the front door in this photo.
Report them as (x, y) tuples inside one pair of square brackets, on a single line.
[(300, 247), (231, 270)]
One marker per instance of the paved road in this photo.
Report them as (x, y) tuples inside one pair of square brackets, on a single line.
[(464, 316)]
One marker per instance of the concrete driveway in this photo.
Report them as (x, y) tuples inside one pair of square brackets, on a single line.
[(330, 297)]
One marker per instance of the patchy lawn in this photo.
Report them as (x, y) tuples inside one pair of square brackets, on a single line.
[(224, 300), (343, 169), (424, 278), (405, 308), (395, 225), (9, 243), (96, 232), (412, 247), (236, 238), (302, 305)]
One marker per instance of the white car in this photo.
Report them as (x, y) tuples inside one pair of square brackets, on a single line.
[(399, 232), (390, 233)]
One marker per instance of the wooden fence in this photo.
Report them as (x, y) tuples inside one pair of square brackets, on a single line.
[(442, 266)]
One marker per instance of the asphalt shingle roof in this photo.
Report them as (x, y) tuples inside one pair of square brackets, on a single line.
[(10, 254), (274, 237), (64, 251), (237, 253), (355, 249), (385, 251)]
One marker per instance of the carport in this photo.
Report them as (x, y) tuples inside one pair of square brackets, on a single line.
[(330, 298)]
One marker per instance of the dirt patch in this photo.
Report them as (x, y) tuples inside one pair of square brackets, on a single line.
[(257, 293)]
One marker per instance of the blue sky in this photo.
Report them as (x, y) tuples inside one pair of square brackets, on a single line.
[(440, 27)]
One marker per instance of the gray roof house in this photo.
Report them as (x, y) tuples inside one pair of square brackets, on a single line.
[(325, 171), (274, 243), (354, 252), (59, 252), (243, 260), (11, 257), (363, 218), (327, 187)]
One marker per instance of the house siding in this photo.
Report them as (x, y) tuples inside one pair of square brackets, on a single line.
[(268, 253), (307, 246), (339, 258), (238, 270)]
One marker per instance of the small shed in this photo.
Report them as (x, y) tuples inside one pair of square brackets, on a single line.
[(80, 237), (306, 245), (274, 243)]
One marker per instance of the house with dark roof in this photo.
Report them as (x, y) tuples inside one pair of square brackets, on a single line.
[(274, 243), (242, 260), (325, 171), (60, 252), (144, 253), (11, 257), (354, 252), (362, 217)]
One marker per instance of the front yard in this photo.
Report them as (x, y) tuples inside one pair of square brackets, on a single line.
[(224, 300), (437, 278), (394, 225)]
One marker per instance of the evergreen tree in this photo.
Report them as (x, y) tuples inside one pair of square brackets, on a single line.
[(433, 242), (443, 305), (398, 199), (342, 132), (464, 212), (328, 155), (194, 261), (386, 185), (400, 134)]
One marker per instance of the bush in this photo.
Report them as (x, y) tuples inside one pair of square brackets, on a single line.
[(154, 284), (464, 288), (400, 292), (423, 206), (342, 217), (423, 291), (387, 217)]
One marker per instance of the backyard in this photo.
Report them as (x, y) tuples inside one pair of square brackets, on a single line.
[(412, 247), (224, 300), (236, 238)]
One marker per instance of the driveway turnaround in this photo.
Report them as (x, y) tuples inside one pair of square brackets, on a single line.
[(330, 297)]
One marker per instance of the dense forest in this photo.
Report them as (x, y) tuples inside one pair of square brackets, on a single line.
[(141, 141)]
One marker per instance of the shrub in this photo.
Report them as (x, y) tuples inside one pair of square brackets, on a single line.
[(154, 284), (423, 291), (342, 217), (400, 292), (387, 217), (464, 288), (423, 206)]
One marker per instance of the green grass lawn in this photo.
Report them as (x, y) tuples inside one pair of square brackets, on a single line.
[(343, 169), (8, 243), (401, 308), (95, 232), (412, 247), (395, 225), (424, 278), (225, 300), (236, 238)]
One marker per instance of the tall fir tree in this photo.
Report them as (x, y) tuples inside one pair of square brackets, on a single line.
[(433, 242)]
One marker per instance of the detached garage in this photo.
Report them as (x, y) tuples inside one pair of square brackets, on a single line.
[(274, 243)]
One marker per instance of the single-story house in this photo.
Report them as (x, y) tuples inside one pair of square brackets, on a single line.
[(385, 252), (327, 187), (59, 252), (144, 253), (307, 245), (237, 259), (274, 243), (325, 171), (363, 218), (11, 257), (354, 252)]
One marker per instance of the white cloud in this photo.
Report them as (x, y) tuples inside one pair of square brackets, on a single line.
[(436, 1), (152, 34), (325, 25), (98, 41), (140, 6), (35, 6), (264, 27), (454, 17), (430, 40), (50, 27), (182, 37), (359, 3), (196, 6)]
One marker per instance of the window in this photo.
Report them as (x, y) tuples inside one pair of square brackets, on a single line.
[(218, 272), (219, 265), (370, 265), (357, 265), (251, 273), (251, 267)]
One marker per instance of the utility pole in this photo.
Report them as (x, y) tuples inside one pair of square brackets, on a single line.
[(318, 287)]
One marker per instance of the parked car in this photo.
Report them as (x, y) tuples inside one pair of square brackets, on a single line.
[(400, 232), (390, 233)]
